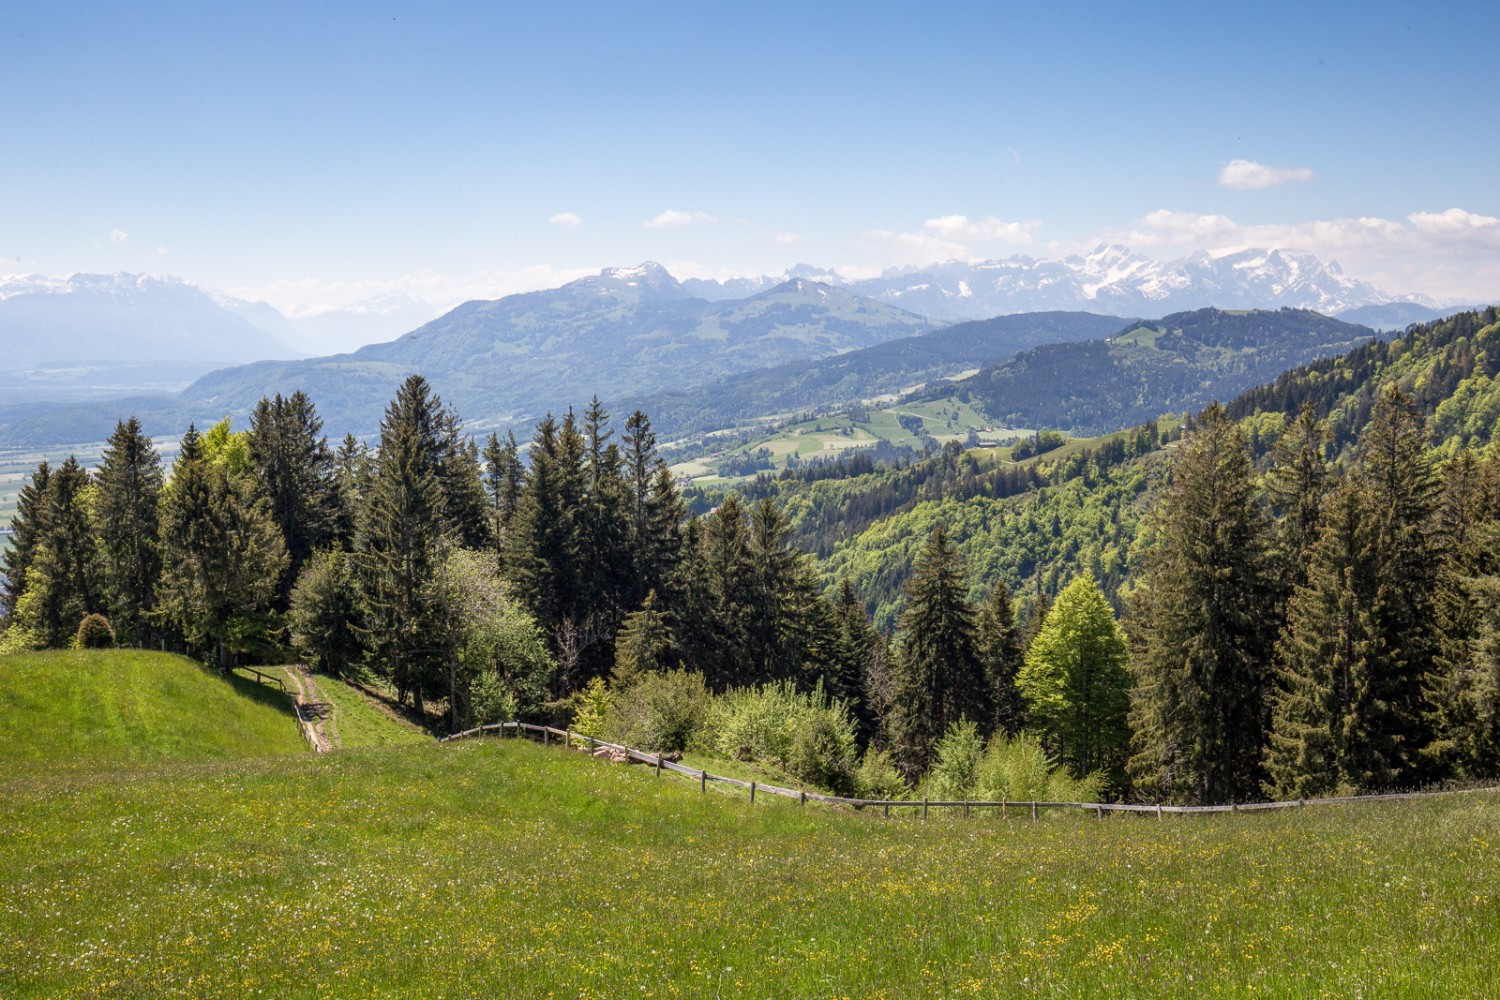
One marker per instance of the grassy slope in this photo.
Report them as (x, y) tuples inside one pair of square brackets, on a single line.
[(66, 710), (509, 869), (360, 724)]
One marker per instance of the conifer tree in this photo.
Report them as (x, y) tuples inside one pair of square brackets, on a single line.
[(129, 487), (608, 585), (1296, 485), (406, 535), (293, 470), (721, 591), (780, 592), (28, 527), (352, 471), (504, 478), (645, 644), (1325, 656), (222, 554), (542, 547), (1201, 711), (1076, 684), (1408, 548), (64, 569), (939, 678), (323, 619), (1000, 649)]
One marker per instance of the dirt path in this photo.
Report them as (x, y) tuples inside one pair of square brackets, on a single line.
[(314, 712)]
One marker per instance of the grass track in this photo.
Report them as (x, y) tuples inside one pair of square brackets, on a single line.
[(503, 868), (80, 711)]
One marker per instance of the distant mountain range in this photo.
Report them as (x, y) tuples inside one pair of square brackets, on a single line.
[(624, 332), (1112, 279)]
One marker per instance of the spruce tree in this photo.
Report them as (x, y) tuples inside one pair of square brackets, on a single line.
[(780, 592), (939, 678), (293, 469), (406, 535), (64, 569), (1202, 709), (1409, 553), (1000, 649), (129, 487), (1075, 682), (352, 470), (28, 526), (504, 478), (222, 554), (1325, 656), (542, 547), (1296, 485)]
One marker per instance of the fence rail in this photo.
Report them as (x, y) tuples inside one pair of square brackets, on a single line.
[(656, 760)]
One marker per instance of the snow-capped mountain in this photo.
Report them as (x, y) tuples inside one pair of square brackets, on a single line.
[(1112, 279), (99, 319)]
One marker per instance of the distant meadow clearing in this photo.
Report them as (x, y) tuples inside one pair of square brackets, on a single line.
[(503, 868)]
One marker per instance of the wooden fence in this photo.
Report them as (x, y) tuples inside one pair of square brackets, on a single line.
[(567, 737)]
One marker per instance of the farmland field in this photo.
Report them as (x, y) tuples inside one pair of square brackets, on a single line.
[(505, 868)]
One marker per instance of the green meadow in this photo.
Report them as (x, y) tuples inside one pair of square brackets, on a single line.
[(499, 867)]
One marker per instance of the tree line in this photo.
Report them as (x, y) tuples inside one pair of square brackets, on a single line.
[(1305, 628)]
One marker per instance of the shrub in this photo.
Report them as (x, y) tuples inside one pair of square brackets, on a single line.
[(1019, 768), (94, 632), (491, 699), (877, 778), (591, 709), (663, 711), (955, 771), (810, 735), (823, 750)]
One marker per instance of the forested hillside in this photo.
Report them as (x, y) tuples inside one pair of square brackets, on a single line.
[(1294, 594), (1177, 364), (828, 383)]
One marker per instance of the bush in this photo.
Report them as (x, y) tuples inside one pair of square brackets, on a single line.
[(663, 711), (491, 700), (810, 735), (877, 778), (1017, 768), (823, 750), (94, 632), (955, 771)]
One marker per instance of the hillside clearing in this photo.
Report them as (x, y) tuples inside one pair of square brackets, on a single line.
[(501, 867)]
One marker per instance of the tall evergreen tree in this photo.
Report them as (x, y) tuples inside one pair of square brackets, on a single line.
[(1000, 649), (1326, 656), (352, 472), (504, 477), (28, 526), (939, 678), (780, 593), (1296, 485), (293, 469), (1409, 552), (1201, 708), (542, 548), (1076, 684), (406, 535), (129, 487), (222, 554), (64, 568)]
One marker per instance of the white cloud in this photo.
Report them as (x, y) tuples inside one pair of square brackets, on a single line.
[(951, 237), (787, 239), (1247, 175), (1452, 256), (960, 228), (119, 236), (161, 251), (569, 219), (672, 218)]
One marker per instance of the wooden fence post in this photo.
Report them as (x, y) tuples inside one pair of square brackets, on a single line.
[(887, 810), (703, 781), (546, 736), (924, 809), (966, 808), (752, 793), (801, 797), (1003, 802), (1033, 810), (1158, 810), (658, 763), (1098, 812)]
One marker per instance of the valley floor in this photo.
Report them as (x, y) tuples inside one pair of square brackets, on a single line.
[(501, 868)]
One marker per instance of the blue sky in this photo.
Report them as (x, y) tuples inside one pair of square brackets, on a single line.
[(314, 155)]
